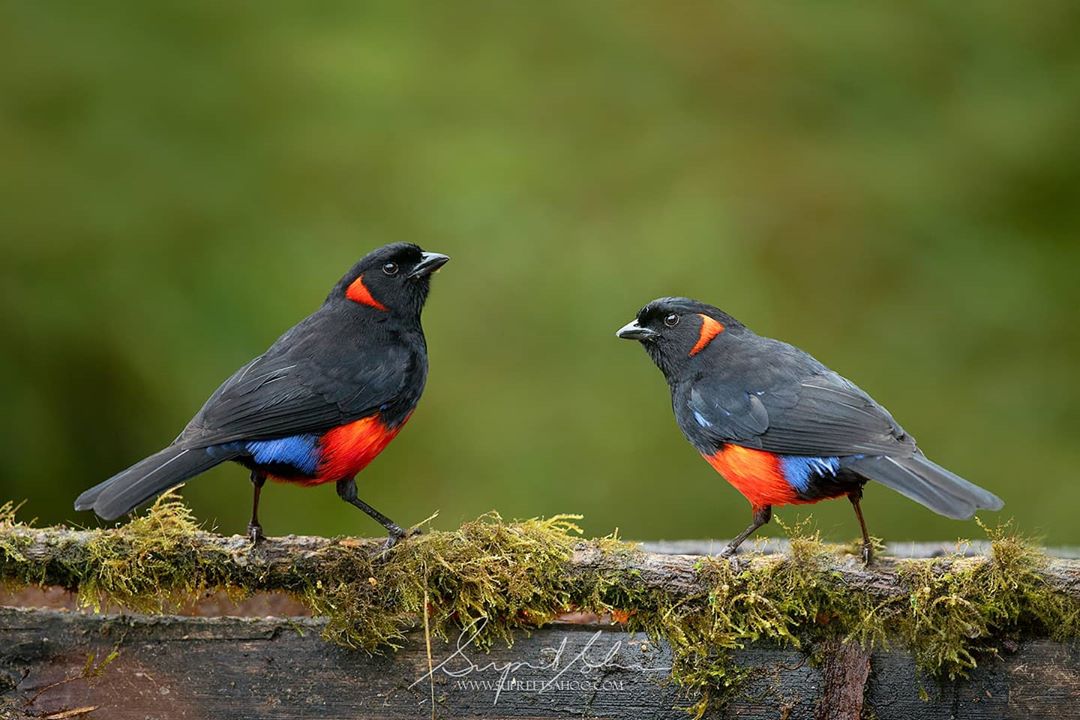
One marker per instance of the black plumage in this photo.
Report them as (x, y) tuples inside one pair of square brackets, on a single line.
[(362, 354)]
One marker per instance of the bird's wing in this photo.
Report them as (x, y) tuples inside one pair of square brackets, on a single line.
[(303, 384), (818, 414)]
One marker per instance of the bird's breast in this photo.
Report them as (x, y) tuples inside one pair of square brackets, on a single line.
[(348, 449), (766, 478), (313, 459), (757, 474)]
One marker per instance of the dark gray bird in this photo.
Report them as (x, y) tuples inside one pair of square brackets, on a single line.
[(780, 426)]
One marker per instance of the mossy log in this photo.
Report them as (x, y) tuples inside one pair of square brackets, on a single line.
[(527, 620), (277, 563)]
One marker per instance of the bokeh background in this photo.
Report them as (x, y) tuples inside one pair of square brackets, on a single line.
[(893, 188)]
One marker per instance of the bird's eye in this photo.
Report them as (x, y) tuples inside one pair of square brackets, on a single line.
[(671, 320), (390, 268)]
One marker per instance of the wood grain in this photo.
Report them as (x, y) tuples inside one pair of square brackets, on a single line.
[(224, 668)]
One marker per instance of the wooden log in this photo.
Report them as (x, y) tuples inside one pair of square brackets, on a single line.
[(223, 668), (779, 546), (277, 562), (53, 662)]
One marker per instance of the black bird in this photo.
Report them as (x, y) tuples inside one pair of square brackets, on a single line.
[(316, 407), (780, 426)]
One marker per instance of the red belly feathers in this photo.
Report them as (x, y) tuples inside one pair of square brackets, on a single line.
[(756, 474), (346, 450)]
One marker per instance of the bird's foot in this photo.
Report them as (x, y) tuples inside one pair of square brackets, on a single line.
[(729, 554), (867, 553), (396, 535), (255, 533)]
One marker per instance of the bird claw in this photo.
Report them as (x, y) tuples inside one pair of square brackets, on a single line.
[(867, 554), (255, 534), (397, 535), (728, 554)]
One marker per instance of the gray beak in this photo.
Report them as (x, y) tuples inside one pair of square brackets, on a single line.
[(429, 263), (633, 331)]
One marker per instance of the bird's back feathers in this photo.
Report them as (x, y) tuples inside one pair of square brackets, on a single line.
[(766, 395)]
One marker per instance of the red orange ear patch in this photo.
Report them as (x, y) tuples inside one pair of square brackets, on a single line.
[(359, 293), (709, 329)]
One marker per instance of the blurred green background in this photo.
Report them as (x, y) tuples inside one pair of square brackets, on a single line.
[(893, 188)]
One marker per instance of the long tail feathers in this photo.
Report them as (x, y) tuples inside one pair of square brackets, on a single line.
[(146, 479), (926, 482)]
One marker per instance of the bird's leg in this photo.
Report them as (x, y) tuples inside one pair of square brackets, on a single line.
[(867, 547), (346, 490), (762, 515), (254, 529)]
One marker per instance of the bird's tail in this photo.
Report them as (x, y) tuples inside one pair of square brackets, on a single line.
[(146, 479), (926, 482)]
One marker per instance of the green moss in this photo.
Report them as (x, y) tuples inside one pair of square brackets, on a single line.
[(497, 578), (789, 600), (15, 568), (959, 607), (488, 575), (151, 564), (7, 514)]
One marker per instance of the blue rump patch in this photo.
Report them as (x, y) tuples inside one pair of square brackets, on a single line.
[(798, 469), (299, 451)]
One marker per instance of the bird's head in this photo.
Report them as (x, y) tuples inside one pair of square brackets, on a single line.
[(679, 333), (394, 279)]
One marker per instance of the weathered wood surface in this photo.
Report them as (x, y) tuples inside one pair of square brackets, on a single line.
[(770, 546), (259, 667), (222, 668)]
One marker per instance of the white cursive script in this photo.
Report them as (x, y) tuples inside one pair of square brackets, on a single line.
[(590, 658)]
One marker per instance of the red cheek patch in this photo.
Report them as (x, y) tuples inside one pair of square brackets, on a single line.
[(359, 293), (709, 329)]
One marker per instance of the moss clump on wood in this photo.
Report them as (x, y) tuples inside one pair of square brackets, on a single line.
[(150, 564), (949, 611), (793, 599), (12, 559), (153, 563), (494, 578), (490, 576), (960, 606)]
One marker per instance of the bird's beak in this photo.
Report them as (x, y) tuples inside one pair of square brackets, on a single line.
[(633, 331), (429, 263)]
